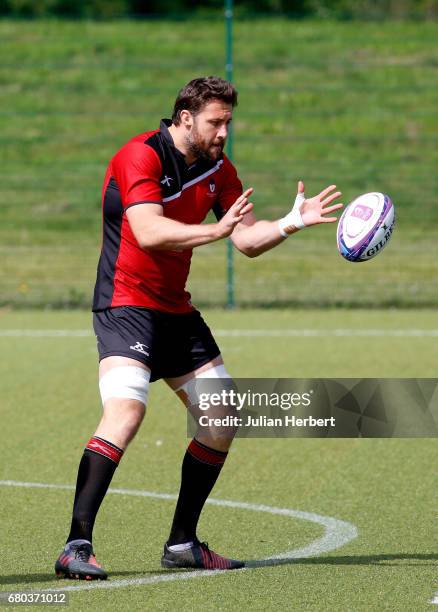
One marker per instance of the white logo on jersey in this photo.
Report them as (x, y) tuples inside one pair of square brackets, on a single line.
[(212, 186), (166, 180), (140, 348)]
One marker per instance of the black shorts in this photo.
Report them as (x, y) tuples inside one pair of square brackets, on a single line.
[(168, 344)]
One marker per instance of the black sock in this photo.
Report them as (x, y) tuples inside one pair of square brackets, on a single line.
[(200, 469), (96, 470)]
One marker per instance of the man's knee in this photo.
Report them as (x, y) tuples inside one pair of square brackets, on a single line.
[(124, 412), (120, 421), (216, 426), (125, 382)]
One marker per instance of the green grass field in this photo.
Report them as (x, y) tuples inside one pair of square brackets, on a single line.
[(327, 102), (384, 488), (350, 103)]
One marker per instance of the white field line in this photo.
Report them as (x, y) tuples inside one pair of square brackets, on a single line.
[(46, 333), (241, 333), (435, 599), (337, 533)]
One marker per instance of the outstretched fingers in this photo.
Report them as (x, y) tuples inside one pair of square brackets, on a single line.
[(240, 213), (242, 200), (324, 193), (327, 211), (330, 198), (247, 208), (245, 195), (328, 219), (315, 209), (330, 209), (241, 206)]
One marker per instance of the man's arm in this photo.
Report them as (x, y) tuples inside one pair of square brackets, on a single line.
[(253, 237), (153, 230)]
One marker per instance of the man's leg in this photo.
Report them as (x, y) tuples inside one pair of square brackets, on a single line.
[(123, 384), (202, 464)]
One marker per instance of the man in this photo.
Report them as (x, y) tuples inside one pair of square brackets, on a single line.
[(157, 191)]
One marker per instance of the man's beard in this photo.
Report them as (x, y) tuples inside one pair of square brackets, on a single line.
[(200, 149)]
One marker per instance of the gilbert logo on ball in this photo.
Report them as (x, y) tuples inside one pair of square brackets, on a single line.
[(366, 226)]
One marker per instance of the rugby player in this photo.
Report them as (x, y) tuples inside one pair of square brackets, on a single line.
[(157, 191)]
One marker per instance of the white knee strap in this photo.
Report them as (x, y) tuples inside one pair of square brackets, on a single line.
[(128, 382), (218, 371), (190, 387)]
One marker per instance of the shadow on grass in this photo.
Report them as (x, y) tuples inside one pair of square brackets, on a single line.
[(391, 559), (385, 559)]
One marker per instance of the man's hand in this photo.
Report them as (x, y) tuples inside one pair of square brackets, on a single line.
[(310, 211), (235, 214), (313, 210)]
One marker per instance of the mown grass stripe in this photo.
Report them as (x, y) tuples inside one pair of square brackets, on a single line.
[(242, 333)]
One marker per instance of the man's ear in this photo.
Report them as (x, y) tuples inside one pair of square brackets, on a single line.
[(186, 119)]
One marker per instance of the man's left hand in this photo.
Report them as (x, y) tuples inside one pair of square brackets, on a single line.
[(313, 210)]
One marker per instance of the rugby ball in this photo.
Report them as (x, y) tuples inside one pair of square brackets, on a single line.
[(365, 227)]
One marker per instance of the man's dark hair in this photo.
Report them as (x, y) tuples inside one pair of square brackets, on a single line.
[(198, 92)]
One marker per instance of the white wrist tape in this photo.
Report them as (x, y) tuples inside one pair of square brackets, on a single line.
[(127, 382), (293, 219)]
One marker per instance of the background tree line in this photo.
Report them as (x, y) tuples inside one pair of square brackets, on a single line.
[(326, 9)]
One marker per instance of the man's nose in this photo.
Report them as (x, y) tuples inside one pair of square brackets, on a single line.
[(223, 132)]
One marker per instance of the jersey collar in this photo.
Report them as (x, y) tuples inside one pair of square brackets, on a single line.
[(164, 130)]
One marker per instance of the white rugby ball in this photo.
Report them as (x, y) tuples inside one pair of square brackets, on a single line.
[(366, 226)]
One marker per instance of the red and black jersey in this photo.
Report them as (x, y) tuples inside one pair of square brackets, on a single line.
[(150, 169)]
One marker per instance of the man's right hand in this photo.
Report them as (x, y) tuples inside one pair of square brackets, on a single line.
[(235, 214)]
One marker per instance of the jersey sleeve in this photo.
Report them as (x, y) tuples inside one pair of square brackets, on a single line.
[(137, 171), (230, 191)]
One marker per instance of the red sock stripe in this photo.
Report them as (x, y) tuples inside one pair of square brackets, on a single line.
[(102, 447), (205, 454)]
